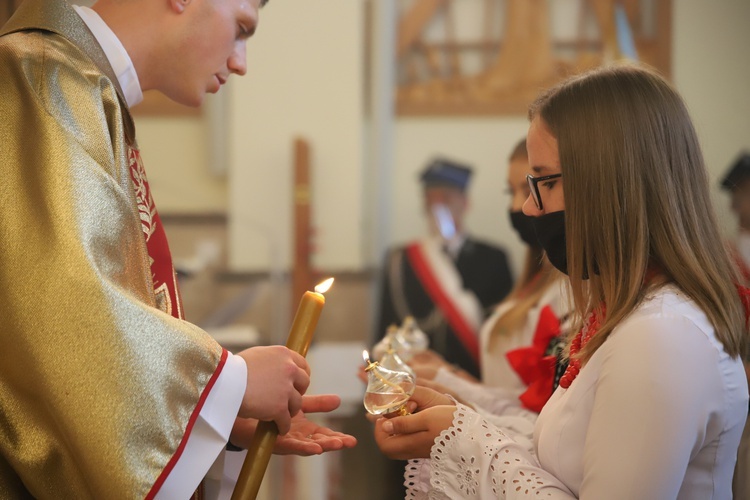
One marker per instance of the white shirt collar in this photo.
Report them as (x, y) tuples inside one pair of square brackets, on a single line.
[(116, 54), (453, 247)]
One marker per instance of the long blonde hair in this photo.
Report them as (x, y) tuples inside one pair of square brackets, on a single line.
[(636, 196), (535, 280)]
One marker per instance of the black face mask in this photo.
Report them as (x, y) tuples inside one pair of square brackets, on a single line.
[(550, 234), (524, 226)]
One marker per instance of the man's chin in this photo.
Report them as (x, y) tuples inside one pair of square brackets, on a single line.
[(191, 100)]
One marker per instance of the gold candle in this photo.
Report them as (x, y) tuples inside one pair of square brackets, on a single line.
[(264, 439)]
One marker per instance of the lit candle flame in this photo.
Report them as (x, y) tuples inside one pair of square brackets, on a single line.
[(324, 286), (366, 357)]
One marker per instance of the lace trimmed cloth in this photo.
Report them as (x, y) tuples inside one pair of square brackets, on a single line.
[(499, 406), (475, 459), (656, 412)]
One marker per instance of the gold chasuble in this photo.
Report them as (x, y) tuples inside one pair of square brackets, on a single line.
[(100, 379)]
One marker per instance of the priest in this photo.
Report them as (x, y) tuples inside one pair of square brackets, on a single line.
[(105, 390)]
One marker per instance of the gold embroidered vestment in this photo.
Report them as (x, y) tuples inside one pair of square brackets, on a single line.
[(97, 384)]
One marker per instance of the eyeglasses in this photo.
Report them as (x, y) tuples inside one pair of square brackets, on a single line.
[(534, 187)]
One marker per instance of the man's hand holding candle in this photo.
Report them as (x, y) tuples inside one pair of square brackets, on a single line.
[(277, 377), (266, 434)]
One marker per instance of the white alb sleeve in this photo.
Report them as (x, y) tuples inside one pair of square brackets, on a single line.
[(210, 433)]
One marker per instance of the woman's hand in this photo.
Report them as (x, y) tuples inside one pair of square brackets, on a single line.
[(435, 386), (424, 371), (426, 364), (422, 399), (412, 436), (428, 356)]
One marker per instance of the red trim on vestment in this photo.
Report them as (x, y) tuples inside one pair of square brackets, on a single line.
[(191, 422), (466, 334), (166, 293)]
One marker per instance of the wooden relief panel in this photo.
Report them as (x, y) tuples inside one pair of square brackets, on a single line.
[(492, 57)]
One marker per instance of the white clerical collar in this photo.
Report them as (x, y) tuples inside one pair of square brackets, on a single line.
[(118, 57)]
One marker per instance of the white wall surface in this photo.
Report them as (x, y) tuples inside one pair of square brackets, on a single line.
[(711, 54), (176, 153), (304, 79)]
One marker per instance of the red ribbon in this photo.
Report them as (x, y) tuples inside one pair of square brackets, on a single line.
[(536, 369)]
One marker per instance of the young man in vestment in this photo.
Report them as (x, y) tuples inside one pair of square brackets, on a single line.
[(105, 391), (448, 280)]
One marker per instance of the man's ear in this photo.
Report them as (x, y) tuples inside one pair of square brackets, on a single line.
[(178, 6)]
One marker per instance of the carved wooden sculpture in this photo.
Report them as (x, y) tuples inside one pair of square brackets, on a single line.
[(527, 57)]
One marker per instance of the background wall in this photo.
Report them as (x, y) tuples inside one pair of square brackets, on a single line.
[(177, 152), (712, 71), (306, 78)]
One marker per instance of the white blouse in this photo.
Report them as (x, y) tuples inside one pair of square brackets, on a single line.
[(498, 393), (496, 371), (656, 413)]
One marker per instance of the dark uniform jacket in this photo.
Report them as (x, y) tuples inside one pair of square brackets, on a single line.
[(484, 271)]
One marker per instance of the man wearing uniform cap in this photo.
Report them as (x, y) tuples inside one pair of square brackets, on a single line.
[(737, 182), (447, 281)]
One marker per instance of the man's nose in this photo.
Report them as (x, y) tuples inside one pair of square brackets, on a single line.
[(237, 63)]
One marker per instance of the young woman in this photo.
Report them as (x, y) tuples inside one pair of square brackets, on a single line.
[(654, 400), (522, 330)]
